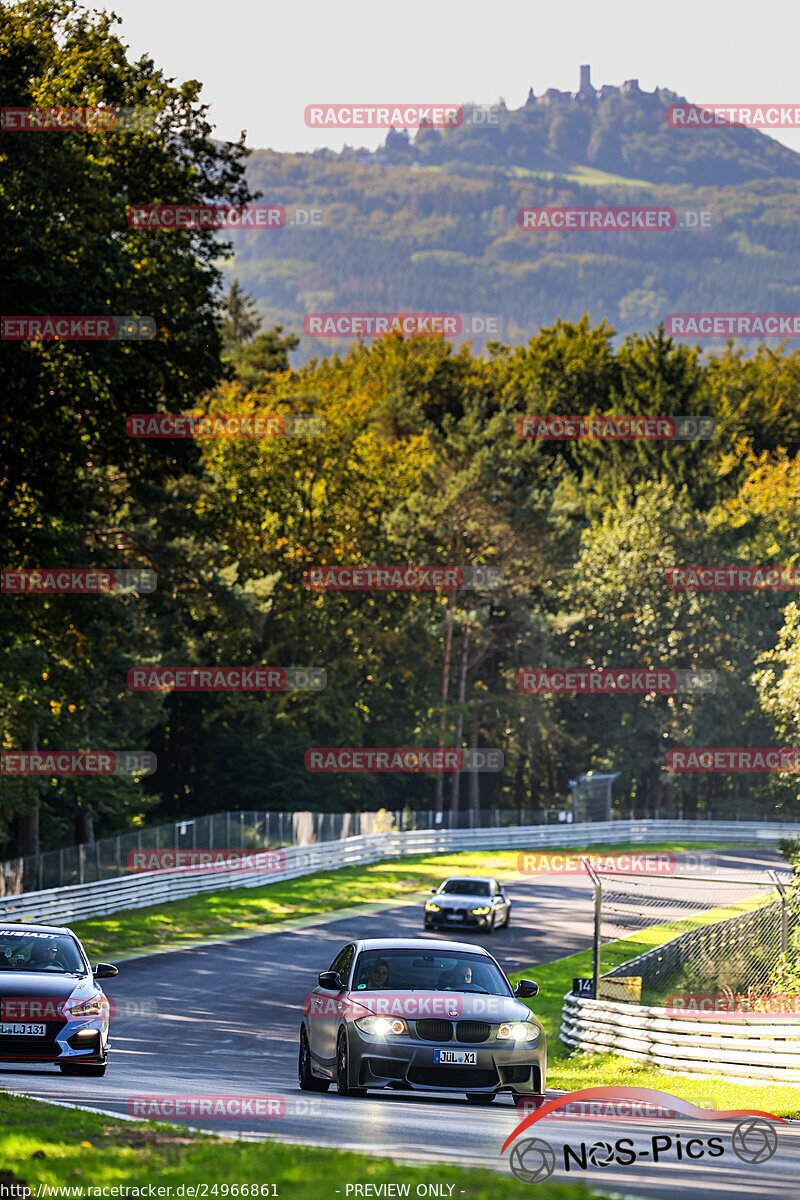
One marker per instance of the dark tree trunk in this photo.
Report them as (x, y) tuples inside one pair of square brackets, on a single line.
[(448, 646), (84, 824), (462, 689), (28, 824)]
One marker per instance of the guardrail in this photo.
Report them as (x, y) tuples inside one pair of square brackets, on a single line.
[(77, 902), (741, 1049)]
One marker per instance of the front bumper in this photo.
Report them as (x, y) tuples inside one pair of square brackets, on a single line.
[(84, 1041), (465, 920), (408, 1063)]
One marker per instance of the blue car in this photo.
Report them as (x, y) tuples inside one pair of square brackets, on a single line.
[(52, 1010)]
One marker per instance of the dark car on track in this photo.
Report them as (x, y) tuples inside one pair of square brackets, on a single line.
[(468, 901), (421, 1015), (51, 1008)]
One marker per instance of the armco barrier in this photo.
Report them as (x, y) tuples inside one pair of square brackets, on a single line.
[(66, 904), (741, 1049)]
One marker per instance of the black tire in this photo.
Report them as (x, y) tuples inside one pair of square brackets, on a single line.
[(481, 1097), (307, 1081), (343, 1069), (490, 926), (508, 918), (96, 1070)]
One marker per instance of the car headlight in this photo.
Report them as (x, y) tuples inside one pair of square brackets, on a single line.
[(381, 1026), (518, 1031), (94, 1007), (431, 907), (481, 912)]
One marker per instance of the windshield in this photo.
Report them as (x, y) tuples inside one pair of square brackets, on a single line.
[(53, 953), (444, 971), (468, 887)]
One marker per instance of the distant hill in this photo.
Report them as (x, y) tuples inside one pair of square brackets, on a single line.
[(430, 223)]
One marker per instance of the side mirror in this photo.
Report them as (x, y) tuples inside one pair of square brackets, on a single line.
[(525, 989), (434, 890), (105, 971), (331, 981)]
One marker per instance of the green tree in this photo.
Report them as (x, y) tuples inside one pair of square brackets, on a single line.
[(240, 321), (74, 487)]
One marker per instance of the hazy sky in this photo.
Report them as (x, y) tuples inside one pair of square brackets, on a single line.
[(262, 62)]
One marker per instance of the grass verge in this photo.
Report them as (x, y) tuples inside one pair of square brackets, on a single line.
[(43, 1144), (255, 910)]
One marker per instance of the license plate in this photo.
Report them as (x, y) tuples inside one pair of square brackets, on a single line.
[(9, 1030), (455, 916), (464, 1057)]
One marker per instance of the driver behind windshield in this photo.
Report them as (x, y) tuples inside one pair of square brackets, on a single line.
[(378, 974), (40, 954), (44, 955)]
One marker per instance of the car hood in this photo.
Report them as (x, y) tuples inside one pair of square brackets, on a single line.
[(454, 900), (490, 1008), (423, 1005), (39, 983)]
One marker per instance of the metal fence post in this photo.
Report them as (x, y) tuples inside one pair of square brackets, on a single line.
[(784, 915), (598, 916)]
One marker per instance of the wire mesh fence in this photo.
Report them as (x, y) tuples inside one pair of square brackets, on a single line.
[(692, 940), (108, 858)]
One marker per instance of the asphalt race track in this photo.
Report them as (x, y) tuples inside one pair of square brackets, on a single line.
[(227, 1022)]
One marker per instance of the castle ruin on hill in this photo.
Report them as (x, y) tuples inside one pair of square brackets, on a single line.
[(585, 92)]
